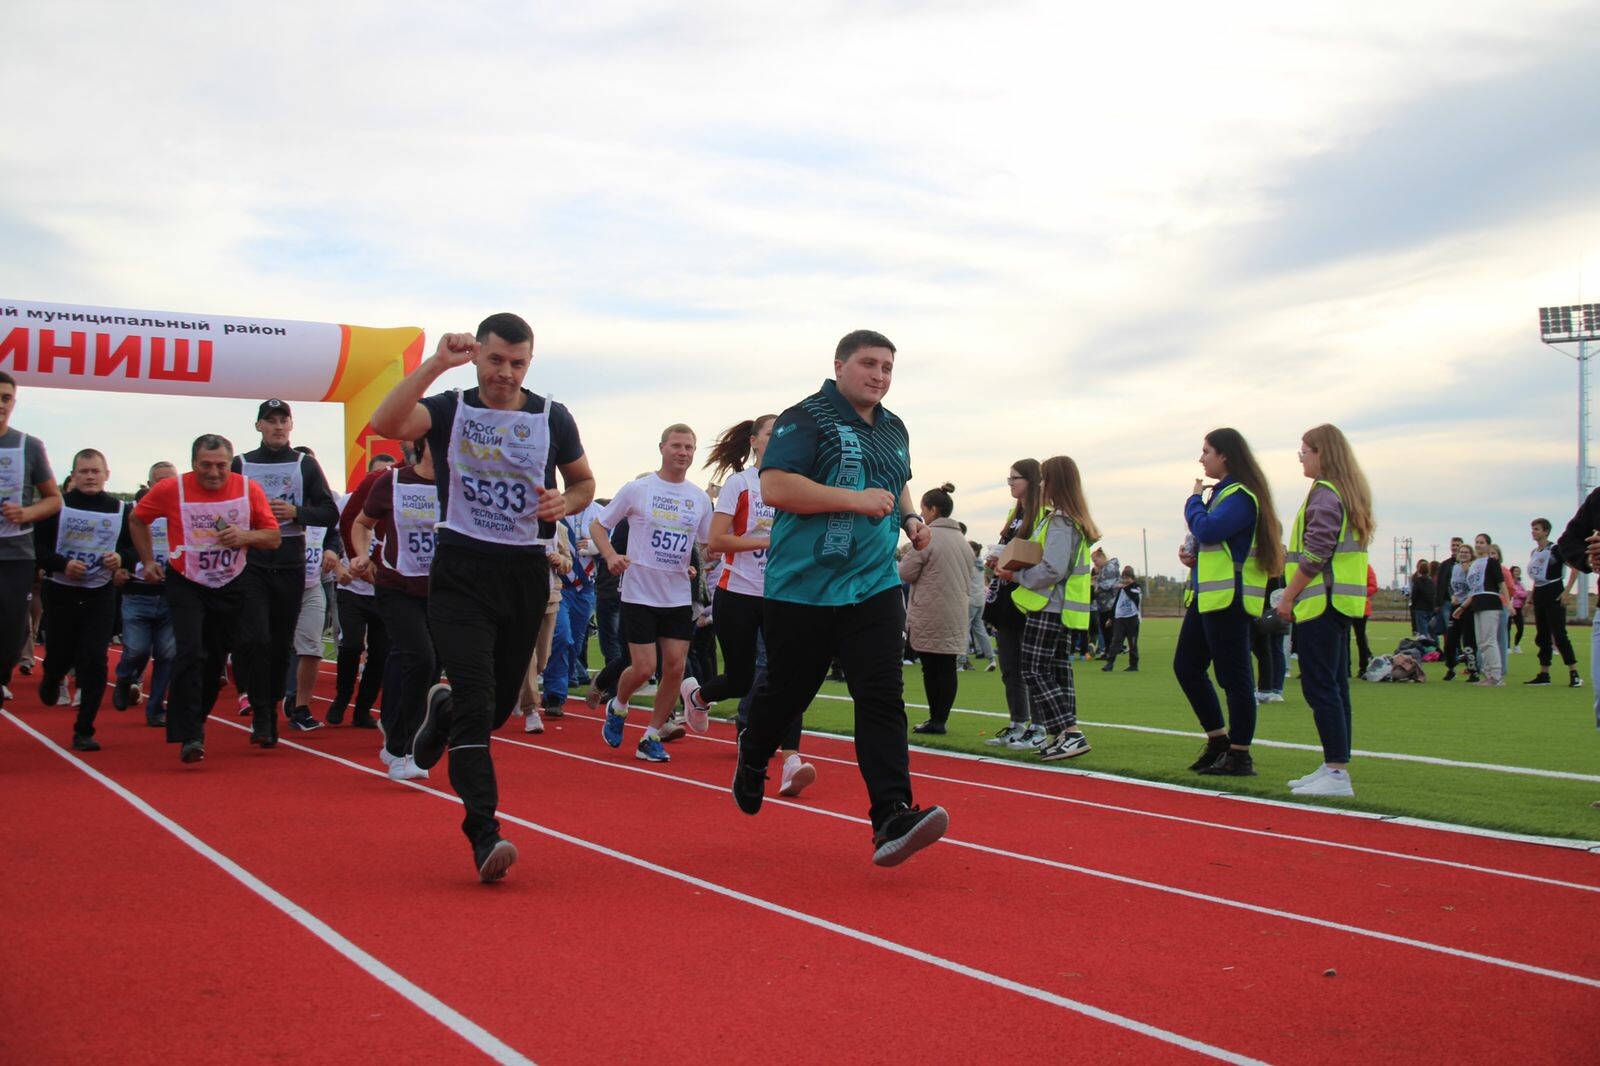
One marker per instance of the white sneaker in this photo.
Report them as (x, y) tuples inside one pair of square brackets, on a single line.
[(1315, 775), (1006, 735), (532, 722), (1272, 697), (797, 776), (77, 698), (699, 711), (1261, 697), (387, 759), (1332, 783), (6, 689), (403, 769), (1030, 738)]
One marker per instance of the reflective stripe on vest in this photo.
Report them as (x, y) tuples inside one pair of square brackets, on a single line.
[(1343, 580), (1217, 572), (1076, 595)]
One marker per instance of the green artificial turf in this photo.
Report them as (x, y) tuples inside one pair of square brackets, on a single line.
[(1545, 728)]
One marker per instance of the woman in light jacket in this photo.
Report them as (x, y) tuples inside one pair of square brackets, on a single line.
[(1054, 596), (937, 614)]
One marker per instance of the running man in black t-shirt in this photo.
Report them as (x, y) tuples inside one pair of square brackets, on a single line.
[(496, 450)]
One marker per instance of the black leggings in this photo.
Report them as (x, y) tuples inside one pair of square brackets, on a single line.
[(738, 621), (1460, 635), (939, 679)]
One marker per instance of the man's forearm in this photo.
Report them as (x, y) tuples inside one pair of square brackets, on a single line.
[(798, 494), (390, 417)]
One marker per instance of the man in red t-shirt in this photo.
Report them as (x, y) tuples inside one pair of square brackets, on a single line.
[(213, 517)]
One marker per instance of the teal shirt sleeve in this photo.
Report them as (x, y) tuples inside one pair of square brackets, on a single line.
[(793, 445)]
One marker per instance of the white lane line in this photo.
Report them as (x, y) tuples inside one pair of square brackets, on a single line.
[(446, 1015), (1430, 760), (894, 947), (1396, 819), (1222, 826), (1105, 875)]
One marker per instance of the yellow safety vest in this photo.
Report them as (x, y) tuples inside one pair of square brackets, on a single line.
[(1215, 569), (1345, 575), (1075, 596)]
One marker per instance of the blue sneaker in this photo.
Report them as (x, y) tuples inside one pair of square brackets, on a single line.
[(612, 730), (650, 750)]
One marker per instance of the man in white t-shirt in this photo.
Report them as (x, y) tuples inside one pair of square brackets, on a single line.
[(667, 517)]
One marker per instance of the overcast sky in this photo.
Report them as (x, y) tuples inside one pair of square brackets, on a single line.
[(1091, 231)]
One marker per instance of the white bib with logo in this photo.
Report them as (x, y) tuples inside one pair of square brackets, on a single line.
[(497, 465)]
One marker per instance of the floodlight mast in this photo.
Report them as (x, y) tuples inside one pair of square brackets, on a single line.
[(1576, 324)]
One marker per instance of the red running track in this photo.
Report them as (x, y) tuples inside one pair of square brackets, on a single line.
[(1067, 916)]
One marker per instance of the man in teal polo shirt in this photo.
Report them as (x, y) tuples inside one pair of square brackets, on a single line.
[(836, 471)]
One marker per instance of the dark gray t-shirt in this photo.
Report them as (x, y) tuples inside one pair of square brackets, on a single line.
[(36, 470)]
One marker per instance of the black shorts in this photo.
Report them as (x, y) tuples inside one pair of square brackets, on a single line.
[(642, 624)]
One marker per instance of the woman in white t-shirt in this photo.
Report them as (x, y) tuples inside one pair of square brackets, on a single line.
[(740, 535)]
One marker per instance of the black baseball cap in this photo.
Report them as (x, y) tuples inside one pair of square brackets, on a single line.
[(271, 409)]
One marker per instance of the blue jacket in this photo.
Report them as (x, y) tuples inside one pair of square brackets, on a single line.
[(1232, 522)]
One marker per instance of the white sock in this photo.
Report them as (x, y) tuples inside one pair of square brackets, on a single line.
[(652, 733), (617, 708)]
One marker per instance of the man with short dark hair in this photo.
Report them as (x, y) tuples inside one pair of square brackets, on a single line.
[(835, 471), (77, 550), (496, 451), (1550, 606), (275, 584), (214, 518), (28, 494)]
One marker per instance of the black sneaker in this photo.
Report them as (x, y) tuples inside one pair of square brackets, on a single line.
[(905, 832), (494, 859), (193, 751), (121, 695), (1232, 764), (936, 728), (1450, 675), (83, 743), (1064, 745), (49, 691), (363, 720), (1540, 679), (156, 719), (1575, 681), (335, 714), (1215, 748), (1130, 669), (434, 733), (303, 720), (555, 709), (749, 781), (1111, 664)]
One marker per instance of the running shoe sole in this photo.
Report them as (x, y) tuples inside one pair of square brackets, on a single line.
[(430, 756), (497, 862), (925, 832), (801, 780)]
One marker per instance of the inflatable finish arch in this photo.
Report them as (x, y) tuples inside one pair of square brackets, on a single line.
[(64, 346)]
